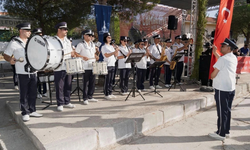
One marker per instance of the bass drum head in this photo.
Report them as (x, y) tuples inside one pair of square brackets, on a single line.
[(36, 52)]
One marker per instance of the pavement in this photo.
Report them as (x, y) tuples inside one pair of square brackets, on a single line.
[(192, 133), (101, 125), (12, 137)]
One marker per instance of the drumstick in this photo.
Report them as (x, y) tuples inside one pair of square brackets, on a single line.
[(20, 59), (67, 53)]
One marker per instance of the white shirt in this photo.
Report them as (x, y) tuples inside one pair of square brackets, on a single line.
[(156, 52), (121, 62), (169, 52), (148, 59), (175, 47), (142, 64), (225, 79), (87, 50), (67, 49), (108, 49), (18, 51)]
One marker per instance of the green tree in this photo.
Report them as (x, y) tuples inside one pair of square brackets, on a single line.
[(201, 24), (115, 28), (241, 20), (47, 13), (6, 36), (127, 8)]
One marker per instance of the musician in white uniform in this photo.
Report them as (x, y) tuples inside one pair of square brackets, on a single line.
[(63, 83), (124, 68), (109, 54), (224, 81), (141, 66), (87, 51), (155, 51), (167, 71), (178, 47), (27, 77)]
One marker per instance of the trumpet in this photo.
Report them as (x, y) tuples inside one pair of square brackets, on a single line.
[(97, 46)]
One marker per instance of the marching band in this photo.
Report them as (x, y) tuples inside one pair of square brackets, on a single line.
[(88, 54)]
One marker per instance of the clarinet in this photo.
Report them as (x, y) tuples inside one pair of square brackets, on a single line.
[(123, 53)]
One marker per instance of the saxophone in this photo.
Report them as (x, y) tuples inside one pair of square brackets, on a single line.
[(173, 63), (163, 56)]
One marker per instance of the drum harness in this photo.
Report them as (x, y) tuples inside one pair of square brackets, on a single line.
[(27, 66)]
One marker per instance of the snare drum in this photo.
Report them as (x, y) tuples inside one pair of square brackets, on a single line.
[(74, 65), (44, 53), (100, 68)]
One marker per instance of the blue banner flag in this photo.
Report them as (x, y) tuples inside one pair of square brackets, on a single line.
[(102, 16)]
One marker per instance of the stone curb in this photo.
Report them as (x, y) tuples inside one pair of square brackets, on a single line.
[(25, 128), (104, 138)]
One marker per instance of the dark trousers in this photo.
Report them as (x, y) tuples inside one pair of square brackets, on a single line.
[(152, 76), (63, 87), (223, 104), (167, 74), (124, 77), (88, 80), (148, 71), (108, 81), (15, 80), (140, 78), (179, 71), (27, 89), (116, 68), (44, 88)]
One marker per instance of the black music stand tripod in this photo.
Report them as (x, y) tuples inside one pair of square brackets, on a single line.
[(156, 65), (78, 89), (48, 85), (176, 59), (133, 58), (113, 88)]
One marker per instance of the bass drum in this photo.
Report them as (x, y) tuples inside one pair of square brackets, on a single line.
[(44, 53)]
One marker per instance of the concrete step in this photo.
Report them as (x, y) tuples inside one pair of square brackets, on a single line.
[(103, 124)]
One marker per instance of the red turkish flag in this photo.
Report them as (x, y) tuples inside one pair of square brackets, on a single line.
[(223, 26)]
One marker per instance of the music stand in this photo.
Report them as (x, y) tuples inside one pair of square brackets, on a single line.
[(77, 88), (47, 75), (113, 88), (156, 65), (133, 58), (176, 59)]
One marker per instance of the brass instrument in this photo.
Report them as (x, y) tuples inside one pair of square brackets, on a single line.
[(173, 63), (97, 46), (163, 56)]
